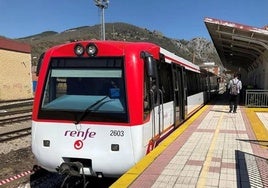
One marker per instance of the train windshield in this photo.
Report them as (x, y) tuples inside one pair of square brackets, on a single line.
[(85, 89)]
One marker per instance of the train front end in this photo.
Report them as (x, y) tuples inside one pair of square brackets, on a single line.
[(81, 120)]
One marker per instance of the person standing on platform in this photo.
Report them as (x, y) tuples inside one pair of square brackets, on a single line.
[(235, 85)]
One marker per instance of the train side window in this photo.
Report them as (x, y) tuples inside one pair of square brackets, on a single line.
[(146, 95), (192, 83), (165, 79)]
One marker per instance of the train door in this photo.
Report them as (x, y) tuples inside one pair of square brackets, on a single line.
[(179, 89), (155, 94)]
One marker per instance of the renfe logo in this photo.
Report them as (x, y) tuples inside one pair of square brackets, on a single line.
[(78, 144), (80, 134)]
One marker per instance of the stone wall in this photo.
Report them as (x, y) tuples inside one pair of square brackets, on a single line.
[(15, 75)]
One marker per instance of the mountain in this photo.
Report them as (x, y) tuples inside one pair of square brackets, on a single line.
[(197, 50)]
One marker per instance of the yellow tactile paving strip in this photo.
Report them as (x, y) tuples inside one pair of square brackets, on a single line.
[(257, 125)]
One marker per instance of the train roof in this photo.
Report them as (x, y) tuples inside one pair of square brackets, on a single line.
[(150, 47), (171, 57)]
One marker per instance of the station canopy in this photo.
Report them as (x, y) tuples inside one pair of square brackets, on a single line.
[(238, 46)]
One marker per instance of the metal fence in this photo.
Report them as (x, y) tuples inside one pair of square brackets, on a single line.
[(256, 98)]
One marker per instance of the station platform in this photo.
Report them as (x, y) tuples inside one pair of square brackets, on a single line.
[(214, 148)]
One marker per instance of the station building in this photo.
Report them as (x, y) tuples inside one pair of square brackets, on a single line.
[(15, 72)]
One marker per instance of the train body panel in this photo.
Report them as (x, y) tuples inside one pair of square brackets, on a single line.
[(91, 144), (195, 102)]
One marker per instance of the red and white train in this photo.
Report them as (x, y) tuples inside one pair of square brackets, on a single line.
[(101, 106)]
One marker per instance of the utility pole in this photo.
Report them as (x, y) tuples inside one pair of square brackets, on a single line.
[(102, 4)]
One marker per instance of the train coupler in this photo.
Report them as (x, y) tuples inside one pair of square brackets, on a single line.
[(74, 177), (70, 168)]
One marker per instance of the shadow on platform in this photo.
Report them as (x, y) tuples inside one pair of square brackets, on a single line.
[(223, 99), (258, 142), (251, 170)]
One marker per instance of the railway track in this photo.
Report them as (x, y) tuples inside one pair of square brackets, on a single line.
[(15, 119), (14, 112), (15, 103), (13, 134)]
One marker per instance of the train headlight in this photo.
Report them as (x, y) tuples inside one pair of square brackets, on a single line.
[(91, 49), (115, 147), (79, 50), (46, 143)]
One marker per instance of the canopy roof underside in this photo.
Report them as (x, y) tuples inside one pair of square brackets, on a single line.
[(238, 46)]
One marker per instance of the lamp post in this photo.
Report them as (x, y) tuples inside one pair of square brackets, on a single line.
[(102, 4)]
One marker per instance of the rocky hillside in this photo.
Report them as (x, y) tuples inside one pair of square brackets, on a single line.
[(198, 50)]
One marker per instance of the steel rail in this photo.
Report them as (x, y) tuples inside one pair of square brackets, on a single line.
[(11, 135), (15, 119)]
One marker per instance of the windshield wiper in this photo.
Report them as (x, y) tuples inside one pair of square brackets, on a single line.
[(88, 109)]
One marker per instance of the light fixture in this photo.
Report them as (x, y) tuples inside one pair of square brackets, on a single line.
[(46, 143), (79, 49), (115, 147), (92, 49)]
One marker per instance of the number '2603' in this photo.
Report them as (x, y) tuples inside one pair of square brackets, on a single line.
[(117, 133)]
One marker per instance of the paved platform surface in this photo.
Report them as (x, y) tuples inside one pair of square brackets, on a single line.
[(214, 148)]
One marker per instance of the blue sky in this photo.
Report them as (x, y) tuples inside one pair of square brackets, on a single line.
[(180, 19)]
